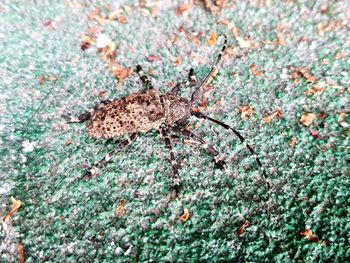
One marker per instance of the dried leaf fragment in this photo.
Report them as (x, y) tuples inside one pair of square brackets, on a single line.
[(183, 8), (16, 204), (340, 55), (120, 209), (152, 58), (256, 72), (274, 114), (242, 228), (121, 19), (69, 142), (213, 39), (41, 80), (307, 118), (316, 90), (20, 252), (109, 52), (121, 73), (177, 61), (328, 26), (309, 235), (303, 72), (185, 216), (246, 111), (293, 142)]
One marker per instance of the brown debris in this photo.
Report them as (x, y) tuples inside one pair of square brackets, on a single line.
[(316, 90), (322, 28), (293, 142), (242, 228), (340, 55), (69, 142), (303, 72), (86, 41), (120, 209), (185, 216), (16, 204), (20, 252), (120, 18), (95, 15), (177, 61), (52, 24), (181, 9), (213, 6), (246, 111), (307, 118), (142, 3), (121, 73), (274, 114), (256, 72), (152, 58), (41, 80), (309, 235), (109, 52)]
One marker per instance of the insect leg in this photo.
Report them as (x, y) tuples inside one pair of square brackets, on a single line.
[(176, 177), (144, 78), (219, 163), (191, 81), (198, 93), (241, 138), (107, 159)]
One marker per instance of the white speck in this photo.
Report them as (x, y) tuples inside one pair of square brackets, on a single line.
[(28, 146), (118, 251), (102, 41)]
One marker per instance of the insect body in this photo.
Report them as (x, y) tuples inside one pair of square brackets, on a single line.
[(149, 109), (138, 112)]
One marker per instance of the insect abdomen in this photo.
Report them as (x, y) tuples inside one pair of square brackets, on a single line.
[(138, 112)]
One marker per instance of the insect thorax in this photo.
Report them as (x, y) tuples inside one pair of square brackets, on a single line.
[(175, 108)]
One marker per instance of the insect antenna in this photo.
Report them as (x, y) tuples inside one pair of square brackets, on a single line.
[(197, 94), (241, 138)]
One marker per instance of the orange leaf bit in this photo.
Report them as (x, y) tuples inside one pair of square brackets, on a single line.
[(185, 216), (274, 114), (121, 73), (309, 235), (256, 72), (16, 204), (246, 111), (213, 39)]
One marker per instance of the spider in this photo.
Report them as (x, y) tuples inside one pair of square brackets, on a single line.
[(149, 109)]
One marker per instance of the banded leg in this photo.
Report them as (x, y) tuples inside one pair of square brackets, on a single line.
[(87, 115), (219, 163), (176, 177), (198, 93), (191, 81), (144, 78), (241, 138), (107, 159)]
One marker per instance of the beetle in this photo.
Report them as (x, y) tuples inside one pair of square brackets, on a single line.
[(149, 109)]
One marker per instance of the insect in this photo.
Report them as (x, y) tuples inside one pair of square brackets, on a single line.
[(149, 109)]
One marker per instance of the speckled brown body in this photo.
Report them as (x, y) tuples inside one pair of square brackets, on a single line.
[(138, 112)]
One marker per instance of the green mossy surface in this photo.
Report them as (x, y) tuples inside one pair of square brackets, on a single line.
[(65, 218)]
